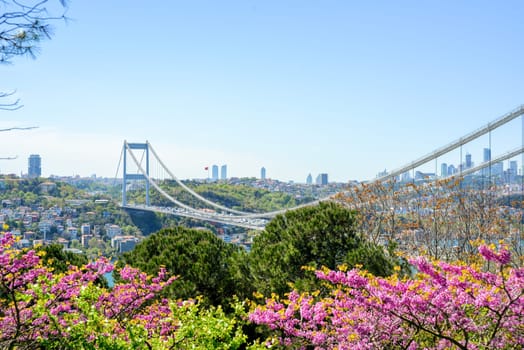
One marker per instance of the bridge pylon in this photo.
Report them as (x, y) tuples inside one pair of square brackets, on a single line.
[(127, 176)]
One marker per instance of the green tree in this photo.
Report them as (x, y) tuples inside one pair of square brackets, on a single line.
[(59, 260), (204, 263), (75, 243), (316, 236)]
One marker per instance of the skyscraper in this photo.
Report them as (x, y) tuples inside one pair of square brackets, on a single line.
[(35, 166), (214, 172), (309, 180), (444, 169), (487, 155), (469, 163), (263, 173), (512, 170), (486, 158), (322, 179), (223, 172)]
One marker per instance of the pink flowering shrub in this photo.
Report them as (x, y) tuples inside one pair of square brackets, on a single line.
[(40, 309), (37, 306), (445, 307)]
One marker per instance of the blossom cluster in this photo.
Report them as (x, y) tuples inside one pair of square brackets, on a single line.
[(446, 306), (43, 309), (37, 306)]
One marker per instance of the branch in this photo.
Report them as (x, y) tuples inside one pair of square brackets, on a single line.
[(12, 106), (23, 26), (19, 128)]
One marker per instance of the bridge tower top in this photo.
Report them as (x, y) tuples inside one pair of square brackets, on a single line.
[(131, 176)]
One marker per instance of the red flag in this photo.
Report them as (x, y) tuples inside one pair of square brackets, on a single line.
[(206, 168)]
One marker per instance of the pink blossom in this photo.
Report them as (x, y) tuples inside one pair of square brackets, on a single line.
[(502, 258)]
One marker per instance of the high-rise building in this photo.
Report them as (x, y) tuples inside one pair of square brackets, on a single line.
[(309, 180), (223, 172), (214, 172), (452, 170), (512, 170), (469, 163), (486, 158), (263, 173), (322, 179), (487, 155), (35, 166), (443, 170)]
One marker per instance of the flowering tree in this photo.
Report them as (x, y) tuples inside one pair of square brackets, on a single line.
[(69, 310), (445, 307)]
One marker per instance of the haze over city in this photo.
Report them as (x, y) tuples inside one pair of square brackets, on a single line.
[(298, 87)]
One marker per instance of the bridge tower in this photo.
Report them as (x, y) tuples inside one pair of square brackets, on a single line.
[(126, 176)]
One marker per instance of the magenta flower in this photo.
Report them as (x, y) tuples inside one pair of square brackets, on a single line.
[(502, 258)]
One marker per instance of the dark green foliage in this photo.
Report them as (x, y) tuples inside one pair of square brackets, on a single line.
[(372, 258), (60, 260), (146, 221), (324, 235), (206, 265)]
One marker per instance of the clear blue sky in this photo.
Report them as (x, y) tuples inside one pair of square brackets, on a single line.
[(343, 87)]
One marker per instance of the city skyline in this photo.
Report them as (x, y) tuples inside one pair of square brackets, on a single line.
[(300, 87), (509, 167)]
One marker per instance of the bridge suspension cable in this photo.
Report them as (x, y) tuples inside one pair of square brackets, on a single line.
[(201, 214), (243, 214), (118, 166), (189, 190), (412, 165), (198, 214), (455, 144), (155, 185), (505, 156), (466, 172)]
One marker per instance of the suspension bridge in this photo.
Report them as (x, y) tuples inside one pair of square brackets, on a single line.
[(142, 171)]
